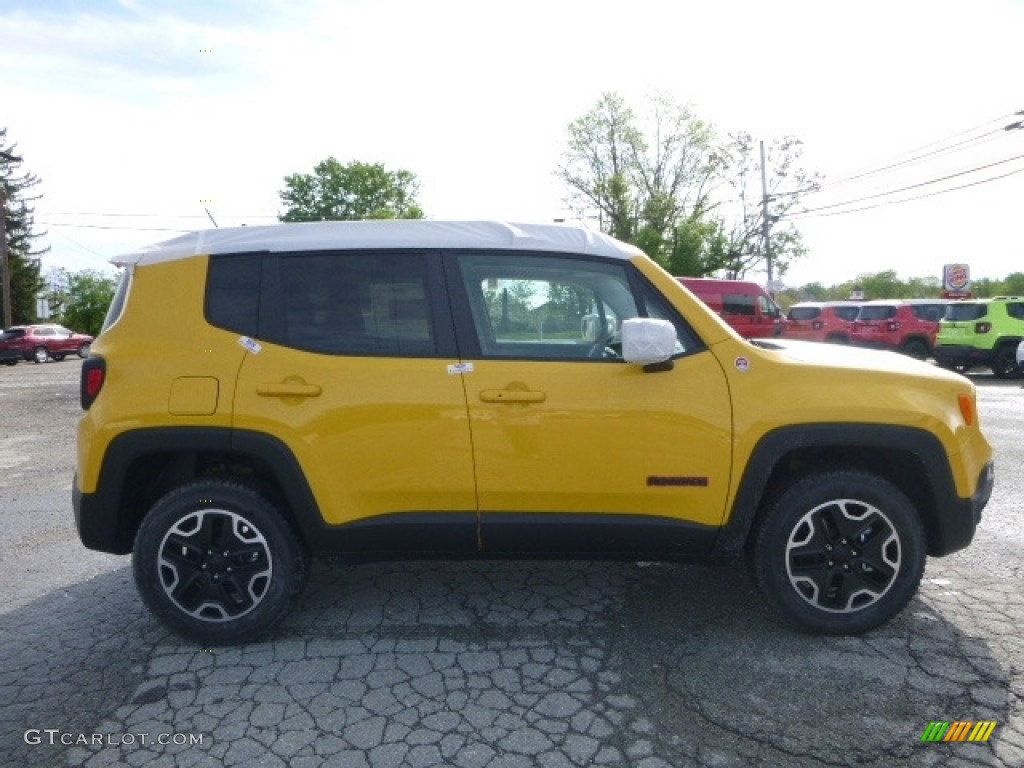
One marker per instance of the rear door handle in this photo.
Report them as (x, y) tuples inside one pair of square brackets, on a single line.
[(288, 389), (511, 396)]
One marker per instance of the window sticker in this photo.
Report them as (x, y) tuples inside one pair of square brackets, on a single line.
[(250, 344), (460, 368), (742, 364)]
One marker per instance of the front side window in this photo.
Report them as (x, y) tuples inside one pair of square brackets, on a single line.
[(739, 304), (550, 307)]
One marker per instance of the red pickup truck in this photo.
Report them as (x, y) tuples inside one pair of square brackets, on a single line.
[(41, 343)]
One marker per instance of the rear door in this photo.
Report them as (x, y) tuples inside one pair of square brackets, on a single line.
[(576, 450), (356, 372)]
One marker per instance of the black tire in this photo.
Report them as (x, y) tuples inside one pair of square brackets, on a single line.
[(83, 351), (11, 361), (838, 339), (838, 553), (41, 354), (916, 349), (1004, 363), (58, 356), (218, 563)]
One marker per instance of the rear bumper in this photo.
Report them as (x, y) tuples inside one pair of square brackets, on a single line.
[(949, 355)]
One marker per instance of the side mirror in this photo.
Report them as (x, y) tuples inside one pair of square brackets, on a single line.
[(648, 342)]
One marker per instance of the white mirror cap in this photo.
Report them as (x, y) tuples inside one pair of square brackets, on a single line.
[(646, 340)]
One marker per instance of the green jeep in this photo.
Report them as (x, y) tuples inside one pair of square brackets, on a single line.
[(982, 332)]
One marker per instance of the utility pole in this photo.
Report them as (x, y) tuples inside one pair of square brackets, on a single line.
[(5, 273), (766, 224)]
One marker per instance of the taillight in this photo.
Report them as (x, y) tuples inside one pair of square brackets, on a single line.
[(94, 373), (982, 327)]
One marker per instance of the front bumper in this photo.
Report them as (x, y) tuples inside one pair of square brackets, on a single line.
[(958, 526)]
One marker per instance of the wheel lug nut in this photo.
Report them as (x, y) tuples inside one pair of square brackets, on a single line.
[(830, 564), (828, 547)]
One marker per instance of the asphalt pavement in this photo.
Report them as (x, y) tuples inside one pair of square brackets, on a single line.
[(491, 665)]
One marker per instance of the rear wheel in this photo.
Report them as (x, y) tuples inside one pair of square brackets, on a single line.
[(83, 351), (838, 552), (217, 562), (1004, 364), (917, 349), (41, 354), (58, 356)]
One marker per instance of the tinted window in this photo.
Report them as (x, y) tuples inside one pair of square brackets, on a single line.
[(804, 313), (962, 312), (738, 304), (359, 304), (1015, 309), (929, 312), (847, 313), (876, 313), (233, 293)]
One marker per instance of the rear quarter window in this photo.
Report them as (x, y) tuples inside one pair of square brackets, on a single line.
[(117, 303), (1015, 309)]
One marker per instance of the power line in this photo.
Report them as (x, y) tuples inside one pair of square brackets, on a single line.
[(871, 169), (913, 186), (811, 215)]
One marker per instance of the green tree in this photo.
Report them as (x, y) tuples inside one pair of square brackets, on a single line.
[(666, 182), (23, 261), (336, 192), (1013, 284), (85, 300), (643, 188)]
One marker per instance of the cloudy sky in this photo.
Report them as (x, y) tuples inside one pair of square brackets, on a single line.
[(139, 115)]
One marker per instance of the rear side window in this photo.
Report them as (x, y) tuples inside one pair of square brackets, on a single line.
[(804, 313), (962, 312), (233, 293), (1015, 309), (357, 304), (847, 313), (877, 313)]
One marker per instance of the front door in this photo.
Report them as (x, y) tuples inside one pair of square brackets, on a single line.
[(574, 448)]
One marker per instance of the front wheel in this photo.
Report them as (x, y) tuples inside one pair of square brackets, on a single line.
[(838, 552), (217, 562)]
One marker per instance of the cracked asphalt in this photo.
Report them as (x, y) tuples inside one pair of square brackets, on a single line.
[(490, 665)]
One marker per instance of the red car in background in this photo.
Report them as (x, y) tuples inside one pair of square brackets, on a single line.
[(822, 321), (908, 326), (41, 343)]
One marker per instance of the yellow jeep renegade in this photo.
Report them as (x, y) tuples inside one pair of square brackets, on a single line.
[(426, 389)]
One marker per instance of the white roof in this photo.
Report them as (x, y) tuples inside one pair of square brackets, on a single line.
[(422, 233)]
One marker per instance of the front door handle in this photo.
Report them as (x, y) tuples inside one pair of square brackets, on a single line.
[(288, 389), (512, 396)]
